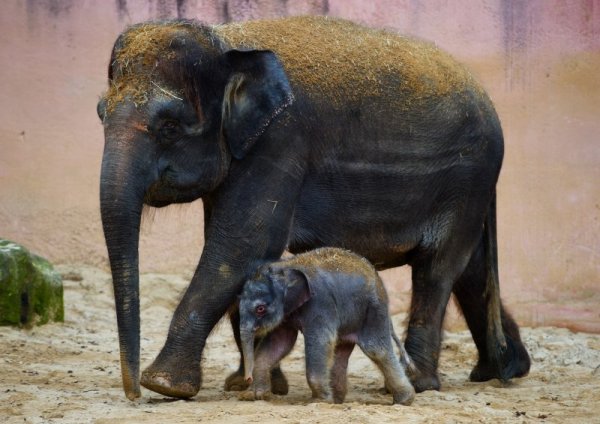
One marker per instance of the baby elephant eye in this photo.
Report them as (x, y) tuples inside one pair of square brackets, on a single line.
[(170, 129), (261, 310)]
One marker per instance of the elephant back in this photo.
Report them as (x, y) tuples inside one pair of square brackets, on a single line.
[(338, 263), (345, 62)]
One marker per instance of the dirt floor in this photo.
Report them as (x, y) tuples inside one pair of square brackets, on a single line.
[(69, 373)]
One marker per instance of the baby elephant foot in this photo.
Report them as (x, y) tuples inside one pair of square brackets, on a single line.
[(324, 398), (255, 394), (320, 395), (320, 388), (235, 382), (279, 384), (404, 397)]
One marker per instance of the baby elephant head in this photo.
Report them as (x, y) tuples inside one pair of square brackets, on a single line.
[(266, 300)]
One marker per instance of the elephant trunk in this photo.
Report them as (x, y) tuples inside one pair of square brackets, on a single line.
[(121, 201), (247, 337)]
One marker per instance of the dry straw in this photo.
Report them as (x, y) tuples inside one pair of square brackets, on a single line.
[(336, 261), (323, 57), (345, 61)]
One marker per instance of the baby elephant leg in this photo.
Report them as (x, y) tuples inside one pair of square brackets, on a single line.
[(376, 342), (272, 349), (395, 378), (339, 378), (319, 350)]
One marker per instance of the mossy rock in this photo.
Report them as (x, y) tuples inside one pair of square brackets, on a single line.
[(31, 291)]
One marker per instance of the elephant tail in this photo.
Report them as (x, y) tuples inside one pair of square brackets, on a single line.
[(405, 360), (496, 341)]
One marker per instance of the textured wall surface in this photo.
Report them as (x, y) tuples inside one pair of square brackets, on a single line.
[(538, 59)]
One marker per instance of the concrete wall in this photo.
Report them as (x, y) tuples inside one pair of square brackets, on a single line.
[(538, 59)]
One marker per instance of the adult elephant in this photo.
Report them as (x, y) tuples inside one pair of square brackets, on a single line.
[(299, 133)]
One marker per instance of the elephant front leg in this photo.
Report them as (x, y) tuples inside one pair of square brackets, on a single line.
[(270, 351), (244, 228), (176, 371), (319, 360)]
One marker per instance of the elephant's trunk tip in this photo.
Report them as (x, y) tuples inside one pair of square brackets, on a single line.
[(133, 395), (132, 390), (248, 354)]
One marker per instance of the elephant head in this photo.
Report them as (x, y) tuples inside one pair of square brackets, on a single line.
[(265, 302), (180, 109)]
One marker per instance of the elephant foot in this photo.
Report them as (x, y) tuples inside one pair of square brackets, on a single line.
[(405, 397), (514, 363), (235, 382), (422, 382), (482, 372), (279, 384), (172, 381), (252, 395), (322, 398), (384, 391)]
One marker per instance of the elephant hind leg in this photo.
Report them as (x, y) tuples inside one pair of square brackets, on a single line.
[(470, 293), (381, 352), (436, 266), (430, 295), (515, 361)]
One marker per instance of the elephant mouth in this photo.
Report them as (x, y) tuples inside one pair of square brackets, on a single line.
[(161, 194)]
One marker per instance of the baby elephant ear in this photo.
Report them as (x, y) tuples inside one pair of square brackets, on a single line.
[(257, 91), (298, 290)]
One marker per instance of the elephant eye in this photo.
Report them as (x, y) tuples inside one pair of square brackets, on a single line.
[(170, 129), (261, 310)]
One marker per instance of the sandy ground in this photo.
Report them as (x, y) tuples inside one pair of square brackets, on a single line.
[(69, 373)]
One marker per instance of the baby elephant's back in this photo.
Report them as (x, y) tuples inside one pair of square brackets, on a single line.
[(348, 276)]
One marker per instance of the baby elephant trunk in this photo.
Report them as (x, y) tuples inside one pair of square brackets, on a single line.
[(247, 337)]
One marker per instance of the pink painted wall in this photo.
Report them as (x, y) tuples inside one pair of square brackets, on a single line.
[(538, 59)]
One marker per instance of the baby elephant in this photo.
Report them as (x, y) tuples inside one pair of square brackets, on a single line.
[(337, 300)]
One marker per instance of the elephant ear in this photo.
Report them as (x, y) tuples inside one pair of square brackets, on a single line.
[(298, 289), (257, 91)]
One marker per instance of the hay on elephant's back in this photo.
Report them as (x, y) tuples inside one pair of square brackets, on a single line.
[(345, 61), (337, 261), (325, 57)]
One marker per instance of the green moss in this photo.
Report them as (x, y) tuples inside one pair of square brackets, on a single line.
[(46, 292), (13, 268), (31, 291)]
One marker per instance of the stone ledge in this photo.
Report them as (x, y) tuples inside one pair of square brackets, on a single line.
[(31, 291)]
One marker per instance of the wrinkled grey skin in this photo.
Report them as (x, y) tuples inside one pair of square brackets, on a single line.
[(286, 158), (335, 306)]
